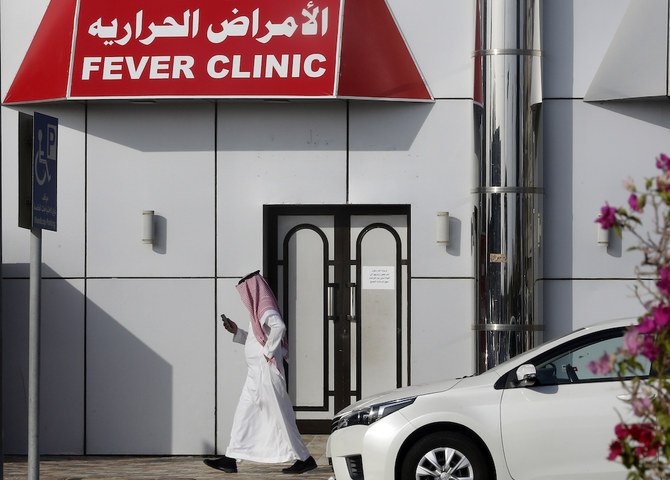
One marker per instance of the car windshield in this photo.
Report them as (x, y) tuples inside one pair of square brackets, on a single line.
[(503, 365)]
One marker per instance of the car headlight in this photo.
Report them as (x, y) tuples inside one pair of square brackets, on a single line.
[(371, 414)]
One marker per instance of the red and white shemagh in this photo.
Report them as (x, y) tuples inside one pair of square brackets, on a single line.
[(257, 296)]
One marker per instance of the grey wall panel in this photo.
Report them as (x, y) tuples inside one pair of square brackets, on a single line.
[(151, 157), (230, 360), (62, 371), (419, 155), (271, 153), (63, 250), (150, 366), (441, 37), (590, 149), (19, 24), (639, 45), (576, 36), (443, 344), (573, 304)]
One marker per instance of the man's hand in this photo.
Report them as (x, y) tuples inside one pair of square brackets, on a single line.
[(228, 324)]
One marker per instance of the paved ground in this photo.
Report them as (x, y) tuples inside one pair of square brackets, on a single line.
[(161, 468)]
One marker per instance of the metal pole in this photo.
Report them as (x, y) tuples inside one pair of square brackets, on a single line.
[(34, 354), (509, 192)]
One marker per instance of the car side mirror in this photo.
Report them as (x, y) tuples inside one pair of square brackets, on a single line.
[(526, 375)]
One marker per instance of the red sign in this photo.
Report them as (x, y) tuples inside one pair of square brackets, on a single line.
[(219, 49), (187, 48)]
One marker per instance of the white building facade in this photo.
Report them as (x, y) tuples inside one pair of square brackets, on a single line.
[(337, 201)]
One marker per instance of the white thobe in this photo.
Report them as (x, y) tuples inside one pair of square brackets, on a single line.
[(264, 428)]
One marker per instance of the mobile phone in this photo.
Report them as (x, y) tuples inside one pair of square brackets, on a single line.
[(226, 320)]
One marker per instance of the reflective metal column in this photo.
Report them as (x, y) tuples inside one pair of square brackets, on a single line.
[(507, 221)]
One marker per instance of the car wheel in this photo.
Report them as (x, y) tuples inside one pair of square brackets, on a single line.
[(445, 455)]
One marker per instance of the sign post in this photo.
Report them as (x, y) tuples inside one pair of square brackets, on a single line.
[(34, 354), (43, 167)]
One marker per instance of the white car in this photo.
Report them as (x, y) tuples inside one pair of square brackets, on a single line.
[(541, 415)]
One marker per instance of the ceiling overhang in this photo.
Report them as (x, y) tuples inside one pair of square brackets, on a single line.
[(637, 62)]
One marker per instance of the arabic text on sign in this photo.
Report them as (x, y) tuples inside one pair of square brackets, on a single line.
[(314, 21), (378, 277)]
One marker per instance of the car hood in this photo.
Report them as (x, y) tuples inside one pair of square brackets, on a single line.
[(405, 392), (486, 378)]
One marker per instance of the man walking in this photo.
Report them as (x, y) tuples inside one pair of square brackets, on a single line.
[(264, 428)]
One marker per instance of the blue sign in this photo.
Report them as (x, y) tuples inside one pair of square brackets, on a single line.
[(45, 155)]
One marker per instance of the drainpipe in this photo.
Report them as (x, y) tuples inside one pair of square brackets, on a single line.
[(507, 219)]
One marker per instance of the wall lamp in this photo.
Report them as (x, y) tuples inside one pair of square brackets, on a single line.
[(603, 238), (442, 228), (602, 235), (148, 227)]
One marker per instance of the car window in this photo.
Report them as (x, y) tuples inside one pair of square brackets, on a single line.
[(570, 365)]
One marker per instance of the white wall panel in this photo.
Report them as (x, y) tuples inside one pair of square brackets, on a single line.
[(590, 149), (441, 36), (150, 366), (271, 153), (419, 155), (62, 251), (443, 342), (19, 24), (576, 35), (151, 157), (573, 304), (230, 361), (62, 367), (639, 45)]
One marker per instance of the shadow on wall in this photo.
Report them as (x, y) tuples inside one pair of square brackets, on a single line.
[(256, 126), (558, 163), (651, 111), (102, 390), (160, 235)]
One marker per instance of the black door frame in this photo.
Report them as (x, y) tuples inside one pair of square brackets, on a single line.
[(342, 328)]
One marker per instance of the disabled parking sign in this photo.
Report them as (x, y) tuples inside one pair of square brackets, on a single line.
[(44, 165)]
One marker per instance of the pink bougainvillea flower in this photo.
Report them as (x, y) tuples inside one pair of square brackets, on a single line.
[(643, 434), (663, 182), (646, 325), (661, 317), (654, 323), (663, 283), (629, 184), (663, 162), (607, 218), (646, 451), (632, 342), (602, 366), (649, 348), (621, 431), (634, 203), (616, 449), (641, 405)]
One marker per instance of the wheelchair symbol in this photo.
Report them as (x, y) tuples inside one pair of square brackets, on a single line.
[(42, 174)]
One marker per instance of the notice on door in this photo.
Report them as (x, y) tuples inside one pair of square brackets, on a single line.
[(378, 278)]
